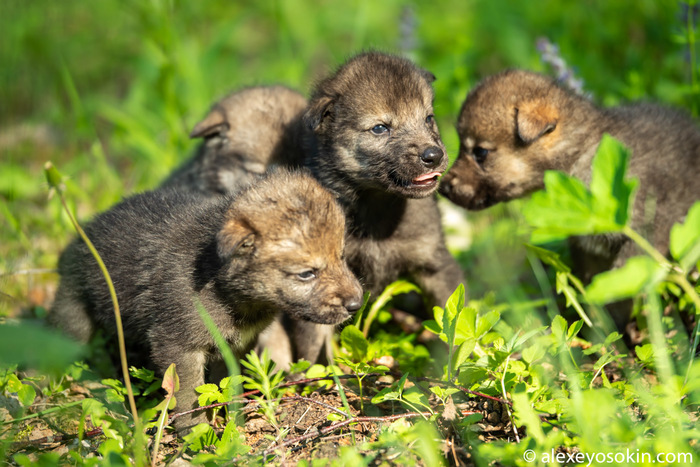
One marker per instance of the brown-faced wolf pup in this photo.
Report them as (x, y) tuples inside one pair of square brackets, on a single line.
[(244, 133), (371, 138), (516, 125), (276, 247)]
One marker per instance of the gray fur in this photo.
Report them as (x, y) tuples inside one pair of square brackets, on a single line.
[(244, 259)]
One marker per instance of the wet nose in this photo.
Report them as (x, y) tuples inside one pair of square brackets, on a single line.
[(432, 156), (353, 305)]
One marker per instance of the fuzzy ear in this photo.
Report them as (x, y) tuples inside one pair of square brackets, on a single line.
[(429, 77), (317, 111), (236, 238), (534, 119), (214, 123)]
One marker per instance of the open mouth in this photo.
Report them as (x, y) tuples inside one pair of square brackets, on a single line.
[(426, 180)]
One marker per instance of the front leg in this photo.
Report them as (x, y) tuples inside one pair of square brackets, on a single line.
[(439, 279), (189, 366)]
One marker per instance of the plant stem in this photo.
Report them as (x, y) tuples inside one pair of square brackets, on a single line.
[(647, 247), (117, 314)]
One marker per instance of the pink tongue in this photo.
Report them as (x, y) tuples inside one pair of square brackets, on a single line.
[(426, 177)]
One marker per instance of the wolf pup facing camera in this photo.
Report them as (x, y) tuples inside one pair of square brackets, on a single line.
[(372, 139), (244, 133), (276, 247), (516, 125)]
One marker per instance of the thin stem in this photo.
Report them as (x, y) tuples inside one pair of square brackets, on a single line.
[(117, 314), (647, 247)]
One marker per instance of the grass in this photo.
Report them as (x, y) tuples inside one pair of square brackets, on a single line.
[(110, 92)]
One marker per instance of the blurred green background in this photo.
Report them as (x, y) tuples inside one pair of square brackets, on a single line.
[(109, 91)]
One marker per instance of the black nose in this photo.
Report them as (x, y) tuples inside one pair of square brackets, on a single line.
[(432, 156), (353, 305)]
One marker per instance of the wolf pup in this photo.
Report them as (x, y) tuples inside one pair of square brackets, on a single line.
[(244, 134), (516, 125), (371, 138), (278, 246)]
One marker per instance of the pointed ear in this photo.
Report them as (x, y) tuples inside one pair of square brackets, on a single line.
[(429, 77), (317, 111), (534, 119), (214, 123), (236, 238)]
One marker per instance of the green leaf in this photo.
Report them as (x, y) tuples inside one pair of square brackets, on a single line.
[(611, 192), (685, 238), (533, 353), (567, 208), (299, 367), (353, 340), (207, 388), (624, 282), (574, 329), (30, 345), (416, 396), (142, 373), (386, 394), (549, 257), (464, 350), (456, 301), (559, 327), (484, 323), (200, 437), (26, 395), (645, 353)]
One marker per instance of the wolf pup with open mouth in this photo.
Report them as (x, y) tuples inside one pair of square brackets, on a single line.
[(371, 138)]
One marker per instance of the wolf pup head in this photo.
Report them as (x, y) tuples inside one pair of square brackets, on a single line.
[(374, 127)]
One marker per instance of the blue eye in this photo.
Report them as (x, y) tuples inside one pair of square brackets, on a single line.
[(480, 154), (379, 129), (430, 119), (307, 275)]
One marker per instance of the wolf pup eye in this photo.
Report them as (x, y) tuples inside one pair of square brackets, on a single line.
[(430, 119), (307, 275), (379, 129), (480, 154)]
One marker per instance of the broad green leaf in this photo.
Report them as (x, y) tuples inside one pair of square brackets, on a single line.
[(526, 415), (416, 396), (464, 350), (37, 347), (208, 387), (685, 238), (26, 395), (562, 210), (353, 340), (484, 323), (200, 437), (466, 325), (299, 367), (574, 329), (386, 394), (533, 353), (567, 208), (645, 353), (456, 300), (624, 282), (559, 327), (611, 192), (143, 374)]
